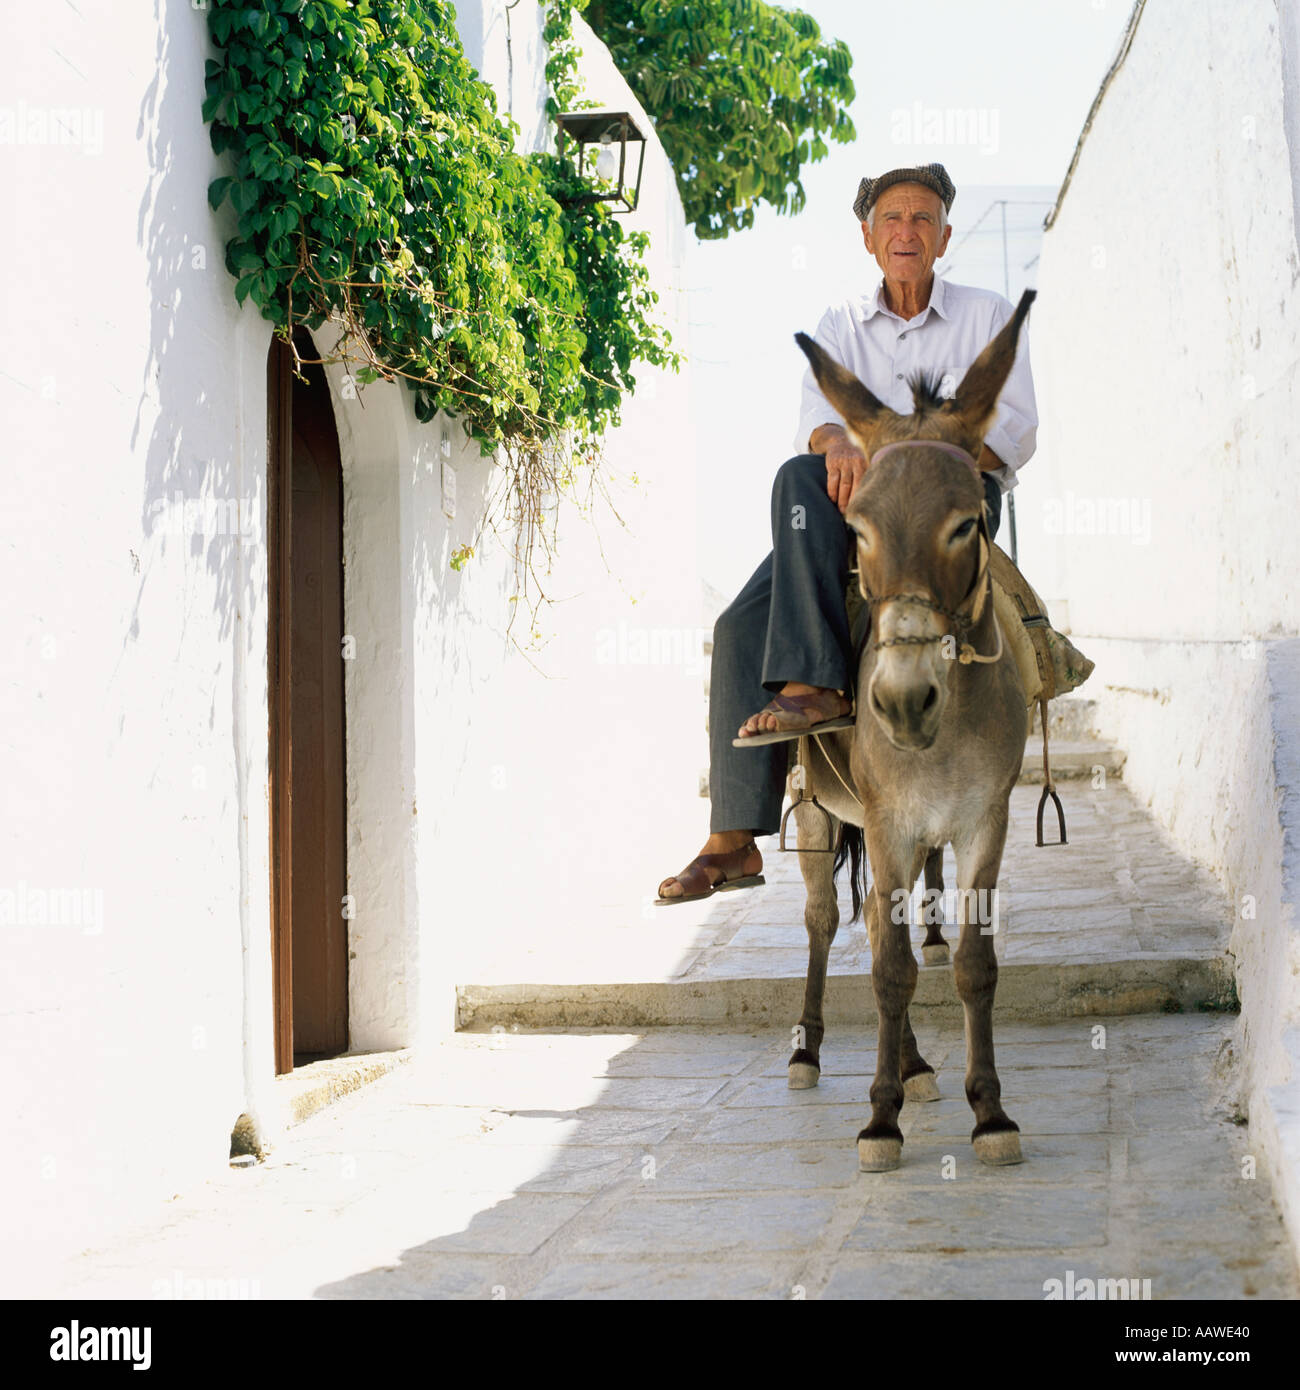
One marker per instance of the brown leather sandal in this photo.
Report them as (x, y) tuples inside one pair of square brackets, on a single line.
[(695, 881), (799, 713)]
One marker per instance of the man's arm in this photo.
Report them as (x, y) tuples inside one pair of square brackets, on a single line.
[(821, 438), (821, 427), (845, 462), (815, 411)]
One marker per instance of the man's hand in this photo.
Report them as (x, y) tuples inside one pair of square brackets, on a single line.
[(845, 462)]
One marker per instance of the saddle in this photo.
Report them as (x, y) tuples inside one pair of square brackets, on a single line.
[(1048, 662)]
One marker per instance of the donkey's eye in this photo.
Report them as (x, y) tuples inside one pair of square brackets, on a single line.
[(963, 530)]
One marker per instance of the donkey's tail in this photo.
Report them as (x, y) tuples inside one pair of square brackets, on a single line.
[(850, 848)]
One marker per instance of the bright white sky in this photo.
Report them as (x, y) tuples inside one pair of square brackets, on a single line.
[(1029, 70)]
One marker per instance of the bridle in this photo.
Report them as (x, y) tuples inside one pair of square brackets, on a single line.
[(961, 621), (968, 611)]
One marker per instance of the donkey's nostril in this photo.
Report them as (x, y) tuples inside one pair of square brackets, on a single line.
[(875, 702), (931, 696)]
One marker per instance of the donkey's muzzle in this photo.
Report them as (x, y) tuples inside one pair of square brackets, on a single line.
[(908, 712)]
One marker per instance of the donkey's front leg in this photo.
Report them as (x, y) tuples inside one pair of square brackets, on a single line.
[(893, 980), (822, 918), (996, 1138)]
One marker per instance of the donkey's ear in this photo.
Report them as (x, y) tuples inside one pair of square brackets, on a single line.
[(844, 391), (976, 398)]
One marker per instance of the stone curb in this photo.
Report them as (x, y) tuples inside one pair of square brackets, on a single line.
[(1153, 984)]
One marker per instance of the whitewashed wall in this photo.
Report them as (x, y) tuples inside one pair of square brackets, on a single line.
[(489, 802), (1162, 507)]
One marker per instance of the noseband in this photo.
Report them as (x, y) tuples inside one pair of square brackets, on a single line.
[(960, 622)]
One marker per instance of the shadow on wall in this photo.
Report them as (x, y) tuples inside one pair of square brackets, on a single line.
[(193, 484)]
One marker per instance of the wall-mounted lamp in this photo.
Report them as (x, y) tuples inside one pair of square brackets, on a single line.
[(610, 132)]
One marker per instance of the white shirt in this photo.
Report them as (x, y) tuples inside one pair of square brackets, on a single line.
[(884, 350)]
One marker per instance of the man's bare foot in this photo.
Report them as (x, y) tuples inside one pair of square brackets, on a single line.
[(834, 704), (704, 876)]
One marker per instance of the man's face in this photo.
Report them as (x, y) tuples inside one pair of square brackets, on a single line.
[(907, 241)]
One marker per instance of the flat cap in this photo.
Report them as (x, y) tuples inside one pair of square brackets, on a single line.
[(933, 176)]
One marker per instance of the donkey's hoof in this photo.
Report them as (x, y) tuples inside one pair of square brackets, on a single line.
[(998, 1149), (921, 1087), (936, 955), (803, 1076), (879, 1155)]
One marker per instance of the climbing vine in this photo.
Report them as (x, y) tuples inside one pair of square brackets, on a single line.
[(743, 95), (376, 184)]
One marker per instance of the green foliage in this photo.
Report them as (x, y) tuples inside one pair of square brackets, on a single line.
[(742, 94), (374, 179)]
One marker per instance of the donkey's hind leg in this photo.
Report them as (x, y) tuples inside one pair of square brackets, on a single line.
[(822, 918), (934, 949), (918, 1075)]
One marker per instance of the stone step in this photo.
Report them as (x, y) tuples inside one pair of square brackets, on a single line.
[(1070, 760), (1113, 922), (1145, 983), (1072, 716)]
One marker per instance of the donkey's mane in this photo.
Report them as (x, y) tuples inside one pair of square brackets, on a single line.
[(925, 391)]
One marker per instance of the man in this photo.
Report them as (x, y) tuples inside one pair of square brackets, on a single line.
[(786, 635)]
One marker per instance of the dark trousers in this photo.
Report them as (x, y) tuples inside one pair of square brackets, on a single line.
[(789, 623)]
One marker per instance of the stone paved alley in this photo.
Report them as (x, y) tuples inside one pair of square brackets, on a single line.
[(677, 1164), (562, 1147)]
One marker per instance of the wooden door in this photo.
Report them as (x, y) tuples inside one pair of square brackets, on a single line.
[(308, 779)]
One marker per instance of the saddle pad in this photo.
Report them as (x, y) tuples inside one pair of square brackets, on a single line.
[(1016, 635), (1057, 665)]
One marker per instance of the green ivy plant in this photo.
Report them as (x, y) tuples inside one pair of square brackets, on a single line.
[(374, 180), (742, 94)]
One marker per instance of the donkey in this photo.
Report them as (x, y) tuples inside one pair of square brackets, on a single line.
[(937, 744)]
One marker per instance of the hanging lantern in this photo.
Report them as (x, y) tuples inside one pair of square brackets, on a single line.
[(610, 133)]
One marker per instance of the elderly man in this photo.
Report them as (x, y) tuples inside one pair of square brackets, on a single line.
[(787, 633)]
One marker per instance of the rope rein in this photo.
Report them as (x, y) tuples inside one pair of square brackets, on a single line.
[(831, 761)]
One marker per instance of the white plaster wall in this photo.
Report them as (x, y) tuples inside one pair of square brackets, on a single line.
[(493, 800), (1167, 351), (133, 730)]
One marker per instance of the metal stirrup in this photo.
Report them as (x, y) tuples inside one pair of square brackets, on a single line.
[(1049, 787), (801, 799)]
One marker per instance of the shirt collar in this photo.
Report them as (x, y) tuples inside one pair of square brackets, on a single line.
[(875, 303)]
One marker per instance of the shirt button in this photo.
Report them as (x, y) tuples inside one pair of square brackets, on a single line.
[(898, 376)]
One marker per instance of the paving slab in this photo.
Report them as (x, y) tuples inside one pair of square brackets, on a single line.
[(544, 1176)]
